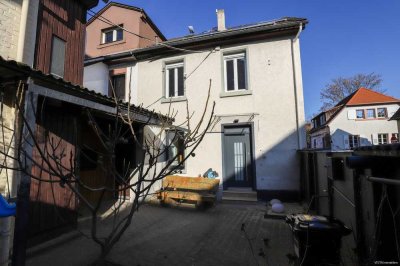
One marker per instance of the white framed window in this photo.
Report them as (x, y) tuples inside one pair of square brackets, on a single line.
[(57, 62), (235, 74), (382, 138), (176, 148), (174, 80), (370, 113), (382, 112), (112, 35), (360, 114), (354, 141)]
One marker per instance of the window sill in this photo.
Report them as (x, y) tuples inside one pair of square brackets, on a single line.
[(235, 93), (108, 44), (174, 99)]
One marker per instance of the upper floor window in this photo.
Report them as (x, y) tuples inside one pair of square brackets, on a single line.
[(235, 72), (382, 112), (118, 84), (57, 57), (112, 35), (370, 113), (360, 114), (174, 76)]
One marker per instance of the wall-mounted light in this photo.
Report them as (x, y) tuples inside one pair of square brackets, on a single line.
[(236, 121)]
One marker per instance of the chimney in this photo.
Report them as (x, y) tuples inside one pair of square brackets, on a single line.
[(221, 19)]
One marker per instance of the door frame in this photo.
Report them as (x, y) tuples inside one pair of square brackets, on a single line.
[(250, 125)]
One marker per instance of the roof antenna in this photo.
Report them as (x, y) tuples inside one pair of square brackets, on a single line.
[(191, 29)]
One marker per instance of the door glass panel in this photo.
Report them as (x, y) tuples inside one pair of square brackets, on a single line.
[(239, 152)]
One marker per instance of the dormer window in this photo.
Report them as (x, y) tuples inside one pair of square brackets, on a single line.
[(112, 35), (322, 120)]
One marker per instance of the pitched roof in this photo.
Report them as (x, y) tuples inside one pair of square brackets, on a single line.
[(234, 35), (141, 10), (362, 96), (13, 70)]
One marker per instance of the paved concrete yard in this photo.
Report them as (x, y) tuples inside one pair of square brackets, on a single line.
[(173, 236)]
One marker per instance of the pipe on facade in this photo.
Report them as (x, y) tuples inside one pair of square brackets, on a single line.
[(22, 30), (295, 87)]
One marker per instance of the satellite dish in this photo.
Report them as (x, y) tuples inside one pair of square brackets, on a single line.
[(191, 29)]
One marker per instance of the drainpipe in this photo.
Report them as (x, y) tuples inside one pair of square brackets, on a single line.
[(27, 30), (295, 86), (22, 30)]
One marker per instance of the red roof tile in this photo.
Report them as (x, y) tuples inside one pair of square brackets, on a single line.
[(366, 96)]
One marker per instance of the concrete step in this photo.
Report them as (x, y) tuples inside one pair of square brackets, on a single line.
[(251, 195), (239, 195)]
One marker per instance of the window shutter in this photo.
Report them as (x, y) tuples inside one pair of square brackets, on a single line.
[(391, 110), (374, 139), (351, 114), (346, 142)]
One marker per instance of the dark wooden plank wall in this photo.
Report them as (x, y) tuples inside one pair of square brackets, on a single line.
[(53, 207), (65, 19)]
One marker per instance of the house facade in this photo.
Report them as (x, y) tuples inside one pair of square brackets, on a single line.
[(361, 119), (254, 76), (105, 37)]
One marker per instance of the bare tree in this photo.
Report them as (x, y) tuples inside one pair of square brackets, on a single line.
[(57, 159), (341, 87)]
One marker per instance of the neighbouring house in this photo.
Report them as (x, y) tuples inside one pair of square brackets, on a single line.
[(396, 117), (105, 36), (256, 83), (360, 119), (41, 65)]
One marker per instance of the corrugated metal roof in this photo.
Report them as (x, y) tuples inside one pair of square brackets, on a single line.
[(13, 70)]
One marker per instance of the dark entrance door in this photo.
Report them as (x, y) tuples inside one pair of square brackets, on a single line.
[(237, 157)]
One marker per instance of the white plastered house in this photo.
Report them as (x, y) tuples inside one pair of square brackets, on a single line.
[(361, 119), (256, 83)]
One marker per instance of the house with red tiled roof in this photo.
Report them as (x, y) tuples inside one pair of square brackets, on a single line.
[(360, 119)]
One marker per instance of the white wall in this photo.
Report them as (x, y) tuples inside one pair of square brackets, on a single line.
[(95, 77), (270, 107), (341, 126)]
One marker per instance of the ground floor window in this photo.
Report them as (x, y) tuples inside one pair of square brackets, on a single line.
[(176, 148), (382, 138), (354, 141)]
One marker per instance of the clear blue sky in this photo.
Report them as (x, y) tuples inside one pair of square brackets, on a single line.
[(343, 37)]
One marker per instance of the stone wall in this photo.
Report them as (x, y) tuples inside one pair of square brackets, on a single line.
[(10, 17)]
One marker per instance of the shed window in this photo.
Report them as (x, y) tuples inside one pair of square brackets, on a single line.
[(354, 141), (57, 57)]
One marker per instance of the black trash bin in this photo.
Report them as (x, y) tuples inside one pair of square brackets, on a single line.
[(317, 239)]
